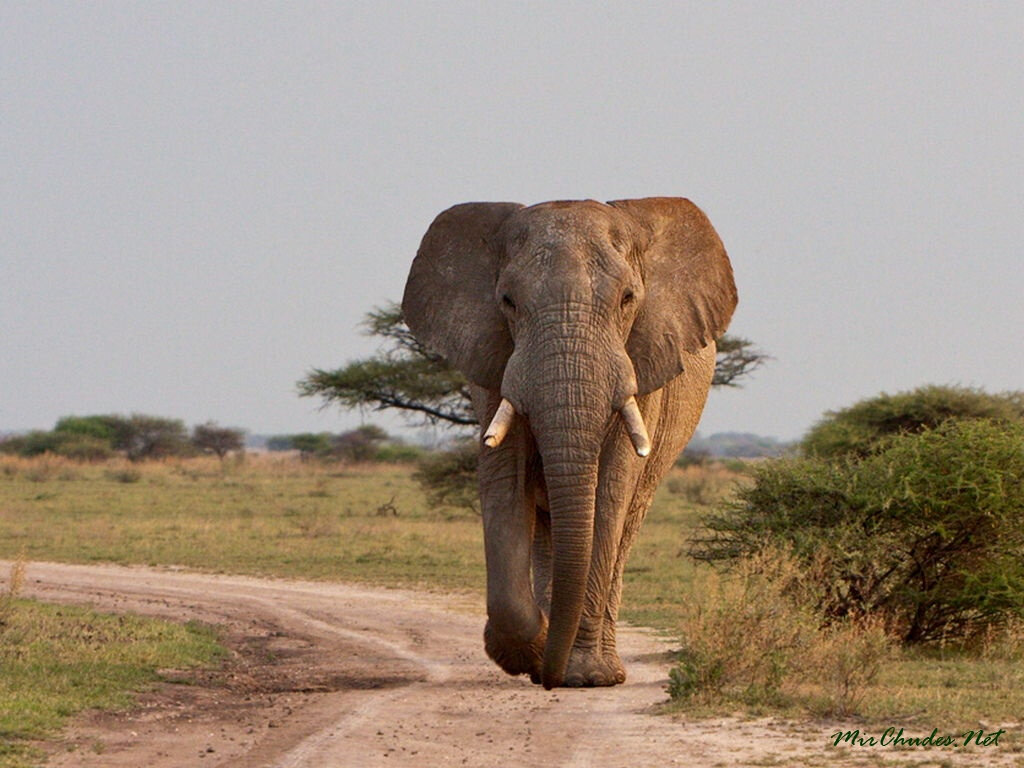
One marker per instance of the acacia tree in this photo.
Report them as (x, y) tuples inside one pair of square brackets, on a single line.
[(211, 438), (406, 376)]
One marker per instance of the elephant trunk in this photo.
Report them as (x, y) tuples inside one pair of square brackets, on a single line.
[(568, 384), (569, 444)]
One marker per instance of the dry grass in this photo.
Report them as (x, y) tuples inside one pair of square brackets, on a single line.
[(752, 637), (15, 581), (704, 484), (264, 516)]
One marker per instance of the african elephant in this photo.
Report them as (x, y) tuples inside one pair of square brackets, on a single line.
[(587, 332)]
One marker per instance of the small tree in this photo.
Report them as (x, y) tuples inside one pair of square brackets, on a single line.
[(360, 444), (154, 437), (211, 438), (280, 443), (310, 444)]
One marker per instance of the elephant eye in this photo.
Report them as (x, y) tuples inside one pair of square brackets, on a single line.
[(507, 301), (627, 298)]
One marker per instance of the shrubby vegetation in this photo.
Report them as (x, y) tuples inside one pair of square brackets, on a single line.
[(858, 429), (754, 636), (139, 437), (366, 443), (449, 477), (136, 437), (918, 520)]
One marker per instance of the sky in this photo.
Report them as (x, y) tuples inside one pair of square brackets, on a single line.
[(199, 202)]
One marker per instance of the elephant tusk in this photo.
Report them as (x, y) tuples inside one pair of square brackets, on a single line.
[(500, 424), (636, 427)]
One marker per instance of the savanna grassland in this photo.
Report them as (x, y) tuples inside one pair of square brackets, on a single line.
[(269, 516)]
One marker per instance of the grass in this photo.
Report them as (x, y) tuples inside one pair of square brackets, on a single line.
[(266, 518), (371, 524), (60, 660)]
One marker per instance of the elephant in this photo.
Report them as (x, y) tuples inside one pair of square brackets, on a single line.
[(587, 333)]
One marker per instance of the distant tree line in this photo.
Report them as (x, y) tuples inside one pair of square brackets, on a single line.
[(366, 443), (136, 437)]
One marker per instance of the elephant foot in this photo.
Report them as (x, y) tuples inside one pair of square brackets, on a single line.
[(515, 655), (589, 669)]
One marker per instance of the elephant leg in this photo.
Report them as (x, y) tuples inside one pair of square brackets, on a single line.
[(591, 663), (677, 414), (516, 628)]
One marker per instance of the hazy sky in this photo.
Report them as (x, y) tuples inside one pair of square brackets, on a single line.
[(200, 201)]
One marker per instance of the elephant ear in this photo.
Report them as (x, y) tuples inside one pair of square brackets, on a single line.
[(690, 293), (449, 300)]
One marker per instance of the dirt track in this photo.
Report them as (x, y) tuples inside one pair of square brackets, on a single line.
[(328, 675)]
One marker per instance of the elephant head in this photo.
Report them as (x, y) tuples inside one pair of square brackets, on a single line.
[(570, 310)]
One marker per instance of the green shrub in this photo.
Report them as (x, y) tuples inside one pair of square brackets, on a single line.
[(73, 445), (310, 444), (34, 443), (927, 531), (449, 477), (858, 429)]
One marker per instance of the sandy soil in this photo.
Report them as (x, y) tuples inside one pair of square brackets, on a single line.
[(325, 675)]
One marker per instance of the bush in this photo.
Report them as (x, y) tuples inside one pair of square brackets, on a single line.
[(858, 429), (927, 531), (83, 447), (108, 428), (310, 444), (359, 444), (34, 443), (71, 445), (449, 477)]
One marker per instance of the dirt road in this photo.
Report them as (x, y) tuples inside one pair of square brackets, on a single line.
[(326, 675)]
